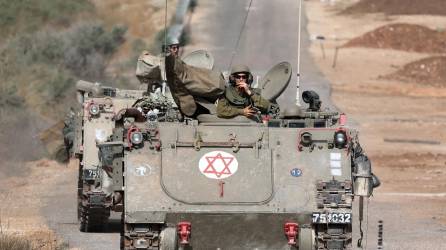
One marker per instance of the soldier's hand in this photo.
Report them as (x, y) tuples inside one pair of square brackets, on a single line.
[(249, 111), (244, 87)]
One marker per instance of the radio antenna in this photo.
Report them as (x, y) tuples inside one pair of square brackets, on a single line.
[(239, 36), (165, 29), (298, 55), (164, 47)]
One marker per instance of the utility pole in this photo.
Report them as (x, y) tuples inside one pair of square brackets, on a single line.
[(298, 54)]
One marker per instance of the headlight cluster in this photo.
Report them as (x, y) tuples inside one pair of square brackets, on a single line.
[(141, 243), (306, 139), (136, 138), (340, 139), (94, 109)]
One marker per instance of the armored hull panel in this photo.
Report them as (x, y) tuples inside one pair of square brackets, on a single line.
[(98, 128), (237, 231), (236, 182)]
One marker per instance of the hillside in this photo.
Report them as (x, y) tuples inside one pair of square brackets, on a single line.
[(47, 47)]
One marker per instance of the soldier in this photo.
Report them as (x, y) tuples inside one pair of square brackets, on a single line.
[(173, 46), (239, 98), (187, 83)]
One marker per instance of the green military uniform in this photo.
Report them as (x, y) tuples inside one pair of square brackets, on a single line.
[(185, 82), (233, 102), (188, 82)]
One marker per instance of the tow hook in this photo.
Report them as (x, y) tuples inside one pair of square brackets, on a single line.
[(184, 231), (291, 232)]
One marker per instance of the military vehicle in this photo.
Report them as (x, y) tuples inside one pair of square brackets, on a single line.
[(100, 190), (286, 180), (94, 124)]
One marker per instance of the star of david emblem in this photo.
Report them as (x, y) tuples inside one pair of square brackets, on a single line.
[(218, 165), (210, 169)]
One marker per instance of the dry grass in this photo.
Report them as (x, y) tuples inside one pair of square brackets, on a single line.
[(13, 242), (21, 217), (28, 239), (38, 240)]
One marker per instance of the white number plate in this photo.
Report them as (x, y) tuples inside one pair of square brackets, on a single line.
[(338, 218), (90, 174)]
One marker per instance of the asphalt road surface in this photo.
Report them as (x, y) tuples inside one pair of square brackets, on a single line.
[(269, 37)]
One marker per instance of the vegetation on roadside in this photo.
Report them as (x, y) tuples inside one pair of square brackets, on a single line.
[(44, 65), (12, 242), (22, 16), (45, 47), (23, 242)]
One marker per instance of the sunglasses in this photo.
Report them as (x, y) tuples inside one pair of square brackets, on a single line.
[(174, 47), (241, 77)]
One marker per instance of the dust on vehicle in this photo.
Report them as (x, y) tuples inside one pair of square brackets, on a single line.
[(284, 180)]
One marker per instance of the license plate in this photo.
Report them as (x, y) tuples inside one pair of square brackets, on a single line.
[(338, 218), (90, 174)]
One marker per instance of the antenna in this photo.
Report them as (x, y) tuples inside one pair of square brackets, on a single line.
[(298, 55), (165, 28), (239, 36), (163, 69)]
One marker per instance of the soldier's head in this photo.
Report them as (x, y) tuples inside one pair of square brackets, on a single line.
[(240, 73), (173, 46)]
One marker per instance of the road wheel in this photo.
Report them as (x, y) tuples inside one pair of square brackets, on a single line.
[(122, 232), (80, 188), (93, 219), (169, 239)]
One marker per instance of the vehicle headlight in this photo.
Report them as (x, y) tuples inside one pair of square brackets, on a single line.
[(94, 109), (340, 139), (306, 139), (141, 243), (136, 138)]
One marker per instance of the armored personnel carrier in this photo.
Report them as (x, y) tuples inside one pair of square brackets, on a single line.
[(282, 181), (100, 189), (94, 124)]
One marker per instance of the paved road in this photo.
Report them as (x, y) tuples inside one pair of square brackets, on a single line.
[(270, 36), (61, 214)]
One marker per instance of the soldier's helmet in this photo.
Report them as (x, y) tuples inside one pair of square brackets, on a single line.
[(172, 41), (241, 68)]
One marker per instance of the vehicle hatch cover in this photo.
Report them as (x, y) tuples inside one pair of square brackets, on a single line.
[(200, 59), (217, 175), (275, 81)]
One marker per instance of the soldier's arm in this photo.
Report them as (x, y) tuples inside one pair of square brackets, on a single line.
[(260, 102), (225, 110)]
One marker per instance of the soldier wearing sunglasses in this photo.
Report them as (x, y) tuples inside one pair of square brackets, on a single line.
[(239, 98), (173, 46)]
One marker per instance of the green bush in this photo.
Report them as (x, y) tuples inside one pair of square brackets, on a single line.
[(87, 46), (82, 49), (57, 82), (28, 15), (44, 66)]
